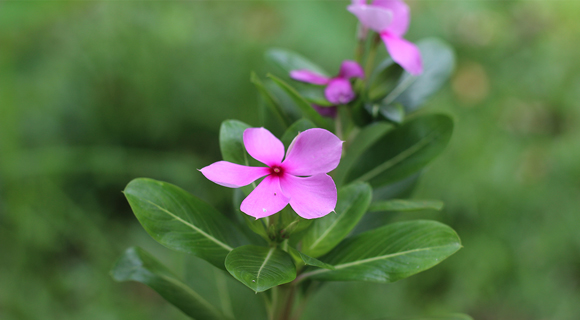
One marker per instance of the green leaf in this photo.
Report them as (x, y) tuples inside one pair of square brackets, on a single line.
[(260, 268), (270, 99), (302, 103), (438, 63), (368, 136), (394, 112), (289, 60), (315, 95), (138, 265), (297, 127), (389, 253), (326, 232), (384, 79), (403, 151), (308, 260), (181, 221), (405, 205), (232, 142)]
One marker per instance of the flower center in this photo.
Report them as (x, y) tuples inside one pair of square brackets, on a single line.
[(276, 171)]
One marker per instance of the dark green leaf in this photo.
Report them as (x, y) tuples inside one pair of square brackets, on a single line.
[(270, 99), (138, 265), (260, 268), (297, 127), (302, 103), (405, 205), (389, 253), (181, 221), (368, 136), (384, 79), (288, 61), (315, 95), (308, 260), (403, 151), (326, 232), (438, 63)]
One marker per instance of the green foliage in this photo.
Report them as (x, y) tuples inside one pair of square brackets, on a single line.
[(405, 205), (308, 260), (138, 265), (295, 129), (326, 232), (389, 253), (181, 221), (288, 60), (260, 268), (403, 151)]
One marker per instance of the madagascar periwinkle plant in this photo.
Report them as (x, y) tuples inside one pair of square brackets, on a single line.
[(349, 145)]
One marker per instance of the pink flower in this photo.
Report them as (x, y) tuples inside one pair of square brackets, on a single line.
[(390, 18), (300, 179), (338, 89), (329, 112)]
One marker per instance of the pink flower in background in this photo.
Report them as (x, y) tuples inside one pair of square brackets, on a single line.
[(390, 18), (300, 179), (338, 89), (329, 112)]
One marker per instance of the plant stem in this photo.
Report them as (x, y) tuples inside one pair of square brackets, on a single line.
[(370, 62), (287, 312)]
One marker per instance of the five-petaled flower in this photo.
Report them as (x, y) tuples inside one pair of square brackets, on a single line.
[(300, 179), (390, 19), (338, 89)]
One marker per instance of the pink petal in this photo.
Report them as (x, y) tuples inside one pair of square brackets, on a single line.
[(401, 15), (329, 112), (351, 69), (308, 76), (233, 175), (405, 53), (339, 91), (311, 197), (266, 199), (372, 17), (313, 151), (263, 146)]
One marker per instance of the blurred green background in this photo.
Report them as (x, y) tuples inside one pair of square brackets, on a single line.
[(93, 94)]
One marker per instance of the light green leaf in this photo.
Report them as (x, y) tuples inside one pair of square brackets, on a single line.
[(405, 205), (297, 127), (260, 268), (232, 142), (308, 260), (270, 99), (181, 221), (438, 63), (289, 60), (394, 112), (326, 232), (138, 265), (302, 103), (403, 151), (389, 253)]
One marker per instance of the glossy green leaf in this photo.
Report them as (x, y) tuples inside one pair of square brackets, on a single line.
[(308, 260), (389, 253), (405, 205), (181, 221), (297, 127), (302, 103), (232, 142), (260, 268), (270, 100), (138, 265), (404, 151), (289, 60), (384, 79), (394, 113), (326, 232), (438, 63), (368, 136)]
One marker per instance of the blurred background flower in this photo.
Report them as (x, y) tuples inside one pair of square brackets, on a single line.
[(93, 94)]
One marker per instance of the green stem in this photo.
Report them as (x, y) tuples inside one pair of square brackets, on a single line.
[(370, 62)]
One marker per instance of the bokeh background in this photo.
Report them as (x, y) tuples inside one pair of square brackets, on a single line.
[(93, 94)]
